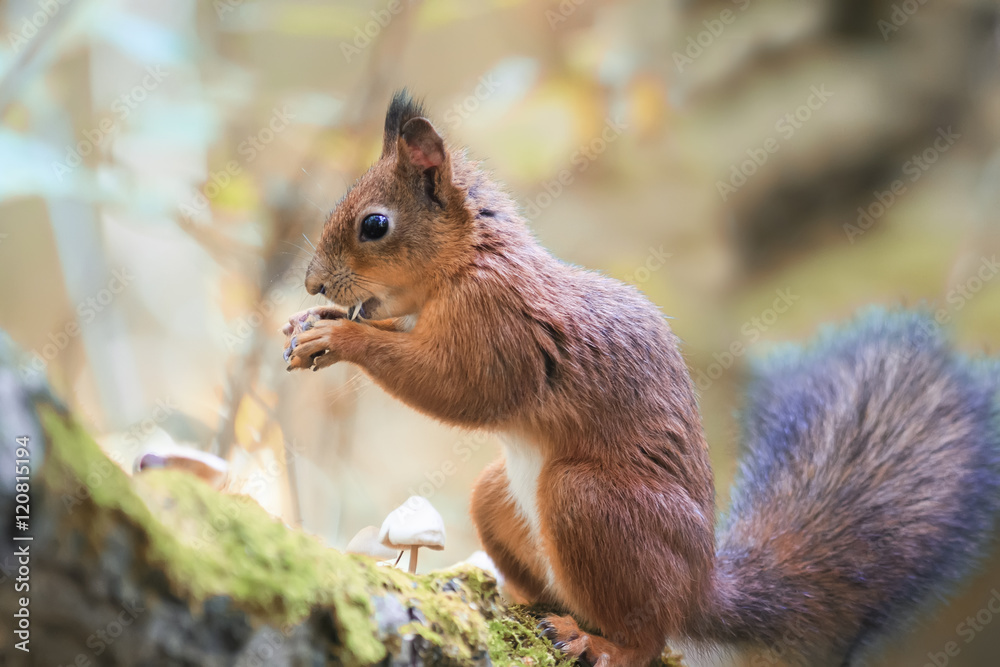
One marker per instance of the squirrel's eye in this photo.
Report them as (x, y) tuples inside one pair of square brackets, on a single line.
[(374, 227)]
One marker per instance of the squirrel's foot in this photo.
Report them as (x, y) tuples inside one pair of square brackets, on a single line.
[(313, 348), (566, 635), (594, 650)]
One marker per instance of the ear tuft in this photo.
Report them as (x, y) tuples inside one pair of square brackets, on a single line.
[(402, 109), (424, 145)]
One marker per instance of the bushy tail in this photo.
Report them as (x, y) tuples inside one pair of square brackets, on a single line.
[(871, 483)]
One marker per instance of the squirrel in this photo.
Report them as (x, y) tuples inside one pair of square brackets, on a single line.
[(869, 486)]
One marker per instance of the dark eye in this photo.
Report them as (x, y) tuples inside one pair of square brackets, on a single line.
[(374, 227)]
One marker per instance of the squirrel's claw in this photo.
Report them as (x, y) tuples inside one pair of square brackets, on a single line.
[(291, 348), (546, 629)]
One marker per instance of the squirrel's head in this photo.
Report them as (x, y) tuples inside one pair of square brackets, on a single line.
[(397, 231)]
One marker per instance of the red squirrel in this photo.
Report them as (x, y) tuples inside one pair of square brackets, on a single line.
[(872, 475)]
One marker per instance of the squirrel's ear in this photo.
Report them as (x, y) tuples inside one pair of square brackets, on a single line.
[(421, 145), (421, 150)]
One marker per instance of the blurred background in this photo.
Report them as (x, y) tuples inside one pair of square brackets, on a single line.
[(756, 168)]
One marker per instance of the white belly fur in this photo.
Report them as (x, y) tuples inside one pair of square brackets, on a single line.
[(524, 465)]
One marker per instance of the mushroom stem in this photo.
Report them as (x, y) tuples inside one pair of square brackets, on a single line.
[(413, 559)]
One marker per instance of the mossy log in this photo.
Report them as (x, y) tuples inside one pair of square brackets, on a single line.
[(163, 570)]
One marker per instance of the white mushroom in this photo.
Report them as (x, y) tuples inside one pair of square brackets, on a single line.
[(366, 543), (481, 560), (412, 525), (209, 467)]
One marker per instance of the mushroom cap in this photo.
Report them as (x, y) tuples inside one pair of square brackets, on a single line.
[(366, 543), (209, 467), (415, 523), (482, 560)]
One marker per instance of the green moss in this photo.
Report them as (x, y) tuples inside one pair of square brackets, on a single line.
[(514, 642), (208, 543), (453, 602)]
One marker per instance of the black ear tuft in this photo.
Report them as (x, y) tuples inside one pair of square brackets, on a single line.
[(402, 109)]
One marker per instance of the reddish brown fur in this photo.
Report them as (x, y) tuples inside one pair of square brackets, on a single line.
[(470, 321), (510, 339)]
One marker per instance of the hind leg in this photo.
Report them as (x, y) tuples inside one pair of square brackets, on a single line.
[(632, 557), (506, 538)]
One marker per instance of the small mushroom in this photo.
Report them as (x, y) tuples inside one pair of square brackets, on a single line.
[(412, 525), (207, 466), (481, 560), (366, 543)]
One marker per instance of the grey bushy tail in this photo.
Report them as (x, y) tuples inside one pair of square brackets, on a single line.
[(870, 485)]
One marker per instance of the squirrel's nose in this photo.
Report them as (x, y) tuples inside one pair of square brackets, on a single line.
[(314, 284)]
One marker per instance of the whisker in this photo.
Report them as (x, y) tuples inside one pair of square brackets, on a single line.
[(296, 245), (296, 257), (368, 281), (308, 241), (318, 208)]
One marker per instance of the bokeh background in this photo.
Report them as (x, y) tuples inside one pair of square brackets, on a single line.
[(756, 168)]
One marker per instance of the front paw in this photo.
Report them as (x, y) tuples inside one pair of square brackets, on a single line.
[(307, 319), (314, 348)]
